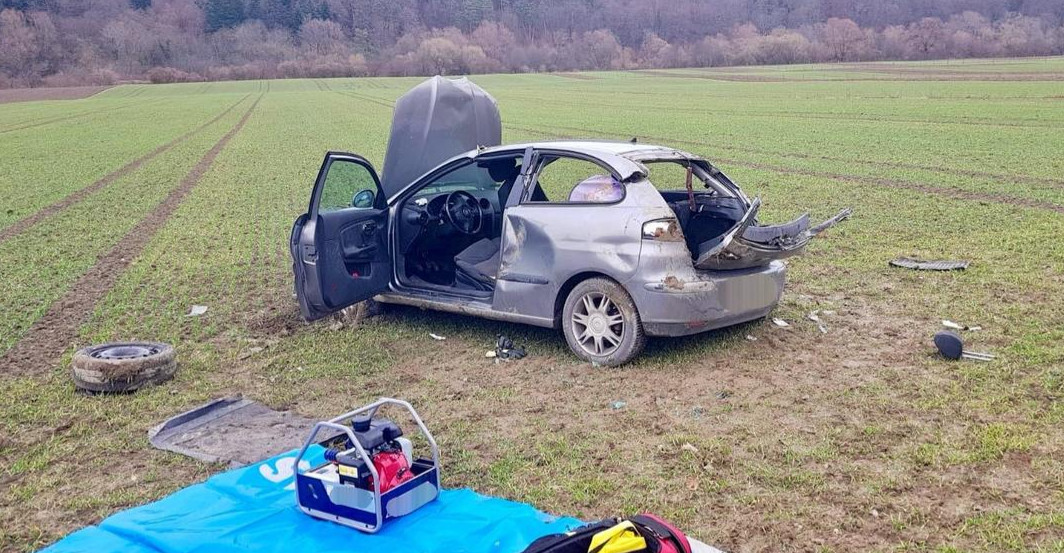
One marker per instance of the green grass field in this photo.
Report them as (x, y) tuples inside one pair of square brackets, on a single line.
[(858, 439)]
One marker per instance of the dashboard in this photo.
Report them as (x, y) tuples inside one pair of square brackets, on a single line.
[(423, 220)]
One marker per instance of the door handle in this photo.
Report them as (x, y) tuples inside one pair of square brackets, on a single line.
[(369, 228), (360, 252)]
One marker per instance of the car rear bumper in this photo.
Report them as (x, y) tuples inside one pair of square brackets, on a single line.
[(697, 301)]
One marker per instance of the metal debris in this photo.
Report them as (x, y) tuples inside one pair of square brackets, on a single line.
[(935, 265), (780, 323), (619, 404), (955, 326), (197, 310), (437, 337)]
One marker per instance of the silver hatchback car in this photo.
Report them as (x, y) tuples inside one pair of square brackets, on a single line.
[(564, 234)]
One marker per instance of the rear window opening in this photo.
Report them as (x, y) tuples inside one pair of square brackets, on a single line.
[(706, 212)]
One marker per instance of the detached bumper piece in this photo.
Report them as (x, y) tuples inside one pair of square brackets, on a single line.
[(749, 245)]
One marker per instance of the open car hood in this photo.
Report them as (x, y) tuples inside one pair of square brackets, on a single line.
[(748, 244), (433, 122)]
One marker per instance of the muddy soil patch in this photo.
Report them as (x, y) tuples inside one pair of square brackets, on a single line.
[(52, 334), (576, 76), (54, 93), (699, 435)]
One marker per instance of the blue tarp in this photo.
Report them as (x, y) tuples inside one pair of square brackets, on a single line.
[(254, 509)]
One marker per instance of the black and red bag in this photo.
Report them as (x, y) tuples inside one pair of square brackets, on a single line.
[(659, 535), (672, 540)]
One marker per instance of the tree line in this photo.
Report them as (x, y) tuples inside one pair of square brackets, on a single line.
[(67, 42)]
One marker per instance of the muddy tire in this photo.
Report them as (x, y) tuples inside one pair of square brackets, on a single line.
[(601, 323), (122, 366)]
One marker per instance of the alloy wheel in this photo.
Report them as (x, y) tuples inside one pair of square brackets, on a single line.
[(598, 324)]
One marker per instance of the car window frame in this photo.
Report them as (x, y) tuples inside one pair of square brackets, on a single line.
[(379, 202), (533, 177), (453, 164)]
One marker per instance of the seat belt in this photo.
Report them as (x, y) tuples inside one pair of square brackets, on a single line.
[(690, 189)]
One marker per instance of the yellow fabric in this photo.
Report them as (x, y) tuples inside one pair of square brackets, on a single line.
[(622, 538)]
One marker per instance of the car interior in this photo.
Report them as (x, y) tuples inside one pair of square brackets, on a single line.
[(450, 230), (704, 214)]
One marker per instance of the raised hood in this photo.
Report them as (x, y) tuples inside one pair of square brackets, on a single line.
[(437, 120)]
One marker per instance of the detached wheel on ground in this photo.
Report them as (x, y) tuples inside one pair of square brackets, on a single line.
[(122, 366), (601, 323)]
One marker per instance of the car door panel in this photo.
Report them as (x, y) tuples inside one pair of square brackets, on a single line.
[(339, 248)]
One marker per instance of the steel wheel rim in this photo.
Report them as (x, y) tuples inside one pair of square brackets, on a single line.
[(124, 351), (597, 324)]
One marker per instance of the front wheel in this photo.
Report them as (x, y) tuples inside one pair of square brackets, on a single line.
[(601, 323)]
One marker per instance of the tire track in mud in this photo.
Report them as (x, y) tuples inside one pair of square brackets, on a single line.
[(52, 334), (50, 120), (367, 98), (949, 192), (22, 224)]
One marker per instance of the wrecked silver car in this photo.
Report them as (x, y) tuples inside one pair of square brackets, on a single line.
[(563, 234)]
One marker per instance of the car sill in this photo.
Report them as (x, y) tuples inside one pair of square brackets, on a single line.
[(464, 307)]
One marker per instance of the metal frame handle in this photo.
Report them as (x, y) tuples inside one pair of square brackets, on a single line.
[(334, 423)]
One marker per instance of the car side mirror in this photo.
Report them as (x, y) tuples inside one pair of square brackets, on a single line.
[(363, 199)]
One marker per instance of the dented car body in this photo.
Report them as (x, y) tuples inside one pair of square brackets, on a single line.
[(601, 250)]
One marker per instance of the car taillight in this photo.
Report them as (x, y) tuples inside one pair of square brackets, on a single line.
[(663, 230)]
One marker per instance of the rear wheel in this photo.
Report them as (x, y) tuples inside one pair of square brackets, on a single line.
[(601, 323)]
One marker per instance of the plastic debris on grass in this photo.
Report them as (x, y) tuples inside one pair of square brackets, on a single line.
[(955, 326), (934, 265)]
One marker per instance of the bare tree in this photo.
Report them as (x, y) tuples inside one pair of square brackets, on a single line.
[(843, 38)]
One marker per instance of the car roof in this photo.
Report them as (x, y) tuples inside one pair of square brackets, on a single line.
[(625, 158), (600, 148)]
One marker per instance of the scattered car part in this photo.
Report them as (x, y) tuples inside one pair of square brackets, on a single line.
[(231, 430), (951, 346), (371, 476), (749, 245), (505, 349), (956, 326), (120, 367), (936, 265)]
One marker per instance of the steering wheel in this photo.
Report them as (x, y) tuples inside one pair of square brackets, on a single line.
[(463, 211)]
